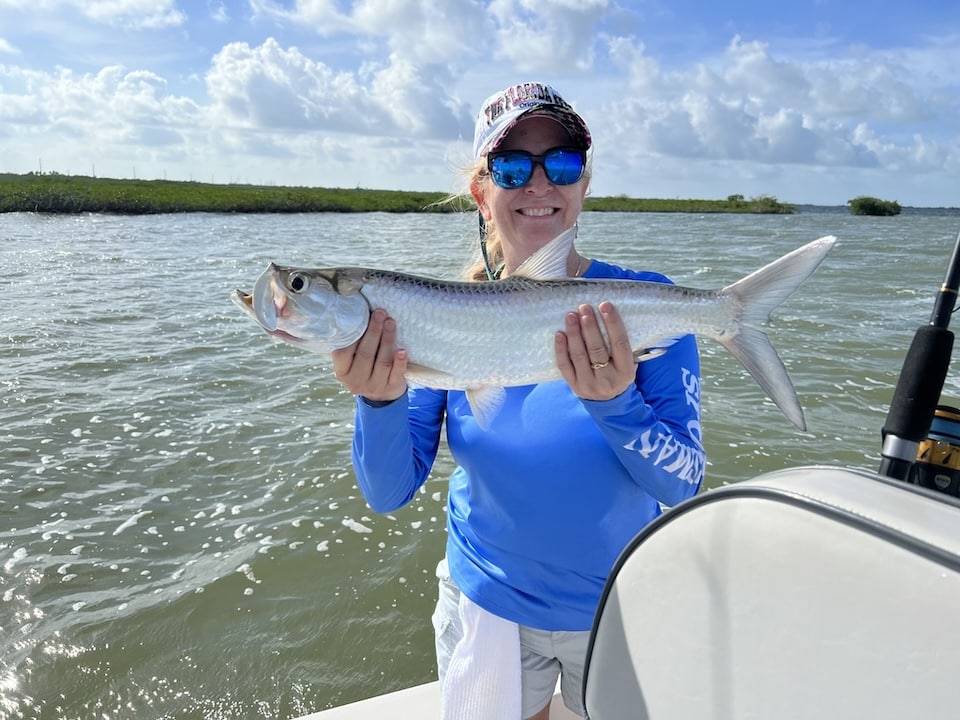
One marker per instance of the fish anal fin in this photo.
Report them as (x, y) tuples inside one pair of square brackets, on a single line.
[(485, 402)]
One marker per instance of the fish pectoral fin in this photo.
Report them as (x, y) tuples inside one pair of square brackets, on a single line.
[(550, 261), (648, 354), (654, 351), (426, 376), (485, 402)]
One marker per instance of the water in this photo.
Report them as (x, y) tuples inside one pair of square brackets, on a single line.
[(180, 532)]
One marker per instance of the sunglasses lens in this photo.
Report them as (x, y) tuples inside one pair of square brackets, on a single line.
[(563, 167), (511, 170)]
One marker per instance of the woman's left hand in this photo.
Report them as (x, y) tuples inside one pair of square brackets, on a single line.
[(593, 370)]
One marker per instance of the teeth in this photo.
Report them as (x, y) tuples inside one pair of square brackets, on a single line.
[(537, 212)]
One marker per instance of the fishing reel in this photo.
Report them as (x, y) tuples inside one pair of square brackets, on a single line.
[(937, 466), (921, 439)]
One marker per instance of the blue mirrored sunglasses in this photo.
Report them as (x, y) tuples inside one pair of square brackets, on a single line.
[(512, 169)]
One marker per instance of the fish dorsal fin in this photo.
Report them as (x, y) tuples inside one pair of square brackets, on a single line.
[(550, 261)]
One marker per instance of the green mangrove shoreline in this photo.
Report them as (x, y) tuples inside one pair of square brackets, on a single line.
[(72, 194)]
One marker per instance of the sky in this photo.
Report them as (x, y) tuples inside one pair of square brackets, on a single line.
[(810, 101)]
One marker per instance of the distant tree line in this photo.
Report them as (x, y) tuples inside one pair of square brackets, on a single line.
[(56, 193), (78, 194), (733, 204)]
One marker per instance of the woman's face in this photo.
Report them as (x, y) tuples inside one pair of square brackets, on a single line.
[(531, 216)]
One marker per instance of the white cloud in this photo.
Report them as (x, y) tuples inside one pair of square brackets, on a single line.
[(546, 36), (417, 99), (787, 137), (112, 105), (218, 11), (322, 16), (274, 88), (132, 14), (747, 105), (138, 14), (423, 31), (7, 49)]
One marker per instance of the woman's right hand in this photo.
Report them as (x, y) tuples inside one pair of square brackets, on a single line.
[(373, 366)]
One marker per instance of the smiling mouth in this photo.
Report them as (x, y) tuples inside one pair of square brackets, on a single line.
[(537, 212)]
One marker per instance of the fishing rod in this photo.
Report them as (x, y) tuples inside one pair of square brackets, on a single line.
[(921, 381)]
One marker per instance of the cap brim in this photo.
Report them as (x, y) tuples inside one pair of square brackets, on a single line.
[(569, 121)]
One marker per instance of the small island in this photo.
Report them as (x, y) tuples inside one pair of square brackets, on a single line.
[(865, 205)]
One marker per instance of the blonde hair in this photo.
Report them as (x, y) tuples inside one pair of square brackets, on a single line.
[(476, 176)]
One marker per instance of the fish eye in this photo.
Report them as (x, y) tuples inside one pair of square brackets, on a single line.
[(298, 283)]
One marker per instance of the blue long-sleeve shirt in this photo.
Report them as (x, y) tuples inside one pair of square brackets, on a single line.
[(544, 500)]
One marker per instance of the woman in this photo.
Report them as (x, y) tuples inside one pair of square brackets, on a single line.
[(542, 501)]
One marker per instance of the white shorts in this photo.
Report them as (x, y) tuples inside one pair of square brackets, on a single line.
[(544, 655)]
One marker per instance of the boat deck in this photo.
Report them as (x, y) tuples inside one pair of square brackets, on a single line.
[(420, 701)]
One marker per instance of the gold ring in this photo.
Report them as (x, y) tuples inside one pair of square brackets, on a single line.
[(598, 366)]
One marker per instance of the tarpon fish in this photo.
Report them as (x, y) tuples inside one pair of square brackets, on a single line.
[(483, 336)]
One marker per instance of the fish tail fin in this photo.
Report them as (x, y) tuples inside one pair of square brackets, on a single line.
[(757, 295), (755, 352)]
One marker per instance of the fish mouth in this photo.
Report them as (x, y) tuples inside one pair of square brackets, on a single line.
[(283, 335), (244, 301)]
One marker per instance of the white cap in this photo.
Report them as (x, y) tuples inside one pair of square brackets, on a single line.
[(502, 110)]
